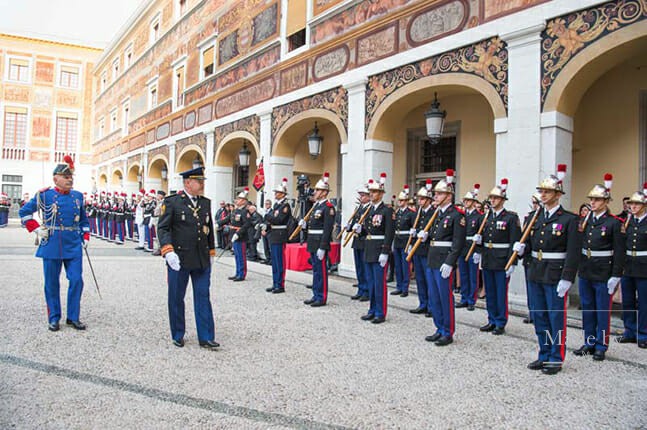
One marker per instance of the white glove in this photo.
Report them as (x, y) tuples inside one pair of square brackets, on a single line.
[(321, 254), (173, 261), (412, 232), (303, 223), (348, 226), (423, 235), (211, 259), (446, 270), (510, 271), (85, 243), (383, 259), (562, 287), (477, 239), (519, 248), (612, 283), (234, 238), (42, 233), (357, 228), (476, 258)]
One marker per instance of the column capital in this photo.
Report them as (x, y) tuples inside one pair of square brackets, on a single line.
[(356, 86), (265, 114), (557, 119), (525, 36)]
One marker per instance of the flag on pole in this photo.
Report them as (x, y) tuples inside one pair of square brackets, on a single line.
[(259, 178)]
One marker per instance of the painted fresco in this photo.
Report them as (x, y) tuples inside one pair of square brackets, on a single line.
[(265, 24), (492, 9), (228, 48), (330, 63), (294, 77), (250, 124), (379, 44), (44, 72), (41, 127), (249, 96), (323, 5), (437, 21)]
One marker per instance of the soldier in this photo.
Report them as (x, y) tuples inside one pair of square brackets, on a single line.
[(129, 216), (358, 246), (634, 281), (64, 231), (139, 220), (404, 219), (5, 204), (600, 270), (159, 198), (120, 218), (319, 226), (502, 230), (555, 246), (187, 241), (149, 224), (446, 241), (469, 270), (239, 223), (378, 229), (534, 206), (277, 219), (425, 212), (221, 213)]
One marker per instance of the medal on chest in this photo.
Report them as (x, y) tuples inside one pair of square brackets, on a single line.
[(501, 225), (318, 214), (557, 229), (377, 220)]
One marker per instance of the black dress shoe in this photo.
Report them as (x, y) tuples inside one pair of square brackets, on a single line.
[(404, 294), (418, 311), (355, 285), (598, 355), (536, 365), (209, 344), (278, 290), (364, 299), (395, 293), (269, 289), (584, 350), (238, 279), (308, 302), (53, 326), (309, 287), (642, 344), (551, 370), (470, 308), (367, 317), (317, 304), (487, 327), (76, 324), (461, 305), (231, 278), (498, 331), (527, 320), (434, 337), (378, 320), (389, 280), (138, 248), (625, 339), (179, 343), (355, 297), (428, 315), (443, 341)]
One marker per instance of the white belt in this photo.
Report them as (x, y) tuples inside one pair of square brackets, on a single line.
[(491, 245), (637, 253), (375, 237), (541, 255), (590, 253), (278, 227), (402, 232), (439, 243), (315, 231), (469, 238), (63, 228)]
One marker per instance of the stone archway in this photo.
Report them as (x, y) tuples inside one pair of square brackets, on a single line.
[(229, 177), (156, 176), (117, 180)]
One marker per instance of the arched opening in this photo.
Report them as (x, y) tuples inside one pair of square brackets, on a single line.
[(117, 180), (187, 157), (103, 182), (227, 159), (158, 173), (133, 178)]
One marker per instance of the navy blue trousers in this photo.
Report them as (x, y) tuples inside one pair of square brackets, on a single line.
[(548, 311), (596, 313), (360, 270), (177, 283), (240, 256), (377, 275), (441, 298), (469, 272), (634, 307), (319, 278), (74, 274), (496, 296), (401, 270), (420, 267), (277, 256)]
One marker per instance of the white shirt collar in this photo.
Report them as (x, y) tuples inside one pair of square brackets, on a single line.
[(444, 208), (552, 211)]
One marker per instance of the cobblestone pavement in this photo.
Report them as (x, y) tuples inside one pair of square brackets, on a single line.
[(282, 364)]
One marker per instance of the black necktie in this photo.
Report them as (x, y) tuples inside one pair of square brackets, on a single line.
[(194, 200), (546, 214)]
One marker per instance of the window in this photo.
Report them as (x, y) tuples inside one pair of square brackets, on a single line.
[(102, 127), (297, 40), (296, 24), (152, 95), (207, 60), (66, 132), (155, 29), (125, 112), (128, 56), (69, 77), (178, 85), (104, 81), (115, 69), (181, 7), (15, 127), (113, 120), (19, 69), (430, 161)]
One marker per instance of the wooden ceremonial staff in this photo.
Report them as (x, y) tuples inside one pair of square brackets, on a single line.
[(419, 241), (341, 232), (415, 225), (361, 222), (481, 227), (524, 237), (298, 229)]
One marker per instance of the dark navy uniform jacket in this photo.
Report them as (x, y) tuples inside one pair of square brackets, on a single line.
[(278, 219), (500, 230), (378, 231), (188, 229), (558, 233), (448, 227), (472, 223), (527, 257), (636, 241), (358, 240), (404, 219), (423, 249), (603, 234), (240, 221), (320, 224)]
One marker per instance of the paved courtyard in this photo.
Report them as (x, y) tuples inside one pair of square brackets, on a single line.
[(281, 364)]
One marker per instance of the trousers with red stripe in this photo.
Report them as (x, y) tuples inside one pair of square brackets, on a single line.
[(240, 257), (376, 277), (548, 311), (596, 313), (441, 298), (496, 297), (319, 278)]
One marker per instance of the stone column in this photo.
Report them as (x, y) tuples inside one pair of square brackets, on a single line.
[(223, 177), (265, 145), (557, 148), (210, 184), (174, 182)]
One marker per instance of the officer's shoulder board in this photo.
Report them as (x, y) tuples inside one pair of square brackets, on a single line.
[(330, 205), (460, 210), (617, 218), (42, 190)]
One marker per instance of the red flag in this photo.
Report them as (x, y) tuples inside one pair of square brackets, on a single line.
[(259, 178)]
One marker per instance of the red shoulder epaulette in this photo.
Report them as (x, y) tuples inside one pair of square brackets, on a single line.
[(412, 210), (330, 205), (179, 193), (44, 189), (618, 218), (461, 211)]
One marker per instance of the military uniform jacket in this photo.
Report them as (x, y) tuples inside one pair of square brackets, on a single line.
[(603, 234), (240, 222), (446, 238), (404, 219), (120, 213), (188, 229), (500, 233), (423, 249), (636, 242), (149, 209), (472, 223), (556, 234), (527, 257), (358, 240), (278, 219), (320, 226), (378, 231), (63, 214)]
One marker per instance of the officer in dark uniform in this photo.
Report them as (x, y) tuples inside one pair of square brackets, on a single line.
[(555, 247), (426, 210), (277, 218), (187, 244), (535, 205), (239, 223), (378, 230), (634, 281), (64, 231), (120, 219), (600, 271), (319, 226), (404, 219), (150, 228), (469, 270), (358, 246), (446, 241), (502, 230)]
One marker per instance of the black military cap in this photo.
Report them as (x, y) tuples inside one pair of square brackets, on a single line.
[(197, 173), (65, 168), (161, 193)]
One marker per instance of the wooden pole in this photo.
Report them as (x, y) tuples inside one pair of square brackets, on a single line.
[(361, 221), (473, 247), (298, 229), (419, 241)]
